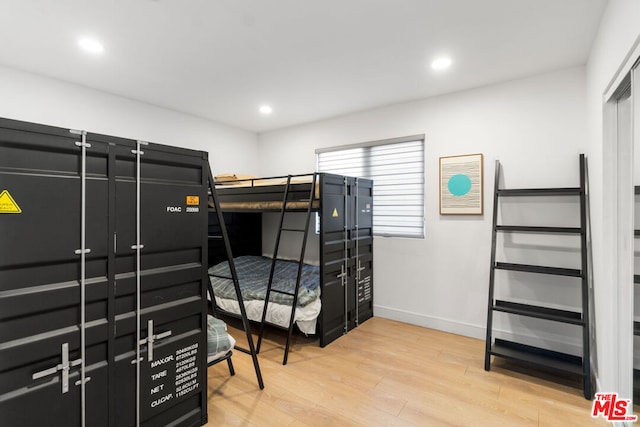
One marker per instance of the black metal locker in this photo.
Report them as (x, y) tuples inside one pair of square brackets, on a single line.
[(40, 332), (173, 377), (346, 254), (332, 257), (79, 292)]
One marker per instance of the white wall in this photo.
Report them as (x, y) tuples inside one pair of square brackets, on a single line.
[(535, 126), (619, 30), (43, 100)]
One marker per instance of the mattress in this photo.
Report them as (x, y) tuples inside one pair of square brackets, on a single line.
[(277, 314), (253, 276)]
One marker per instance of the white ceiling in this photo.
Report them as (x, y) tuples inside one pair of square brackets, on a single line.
[(309, 59)]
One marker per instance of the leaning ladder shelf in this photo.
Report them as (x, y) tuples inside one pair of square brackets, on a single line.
[(552, 361), (234, 277)]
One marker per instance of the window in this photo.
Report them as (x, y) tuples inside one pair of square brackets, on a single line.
[(396, 167)]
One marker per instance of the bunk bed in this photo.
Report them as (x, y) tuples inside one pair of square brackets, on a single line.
[(343, 287)]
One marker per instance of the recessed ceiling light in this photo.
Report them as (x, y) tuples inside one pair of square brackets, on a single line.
[(90, 45), (441, 63), (266, 109)]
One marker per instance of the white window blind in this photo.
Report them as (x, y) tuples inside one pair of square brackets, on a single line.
[(396, 167)]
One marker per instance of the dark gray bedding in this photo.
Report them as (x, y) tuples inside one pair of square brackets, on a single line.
[(253, 275)]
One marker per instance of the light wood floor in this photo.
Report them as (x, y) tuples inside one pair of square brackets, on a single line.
[(386, 373)]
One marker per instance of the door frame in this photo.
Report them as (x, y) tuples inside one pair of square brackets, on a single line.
[(618, 224)]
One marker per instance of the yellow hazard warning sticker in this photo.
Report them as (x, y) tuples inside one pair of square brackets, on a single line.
[(8, 204), (193, 200), (335, 213)]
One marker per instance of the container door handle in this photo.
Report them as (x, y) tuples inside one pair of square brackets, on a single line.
[(65, 366), (342, 275), (151, 338), (360, 268)]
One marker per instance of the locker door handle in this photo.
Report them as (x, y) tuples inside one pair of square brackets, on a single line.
[(342, 275), (65, 367), (151, 338), (359, 269)]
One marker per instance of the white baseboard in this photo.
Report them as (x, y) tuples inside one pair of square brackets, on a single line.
[(553, 342), (431, 322)]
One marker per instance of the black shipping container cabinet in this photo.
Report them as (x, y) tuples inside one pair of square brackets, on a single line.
[(346, 254), (103, 252)]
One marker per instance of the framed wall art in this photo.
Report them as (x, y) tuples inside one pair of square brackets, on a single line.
[(461, 187)]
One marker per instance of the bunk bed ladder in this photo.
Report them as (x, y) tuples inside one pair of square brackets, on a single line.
[(305, 232), (546, 359), (234, 277)]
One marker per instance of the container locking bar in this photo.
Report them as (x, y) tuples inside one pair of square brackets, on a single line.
[(345, 267), (359, 268), (82, 251), (65, 366), (138, 247)]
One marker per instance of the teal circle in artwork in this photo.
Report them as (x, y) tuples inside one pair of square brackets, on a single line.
[(459, 184)]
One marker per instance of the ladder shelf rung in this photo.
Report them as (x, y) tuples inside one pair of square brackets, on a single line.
[(553, 314), (557, 271), (294, 229), (539, 357), (566, 191), (538, 229)]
